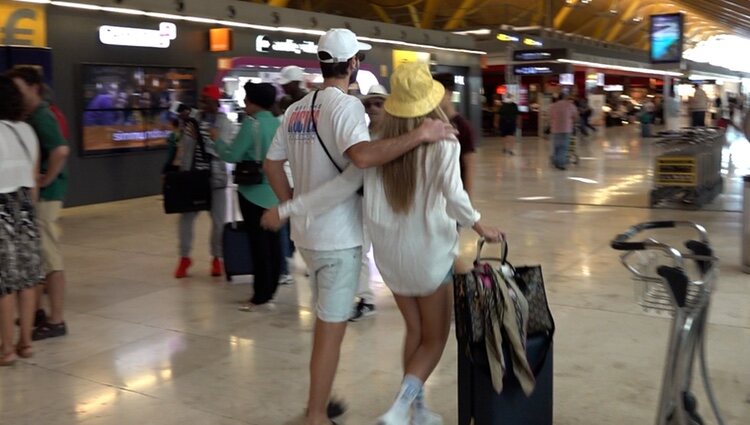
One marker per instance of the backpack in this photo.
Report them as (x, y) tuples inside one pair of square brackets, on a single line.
[(61, 121)]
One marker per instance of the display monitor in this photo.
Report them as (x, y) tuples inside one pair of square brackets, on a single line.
[(126, 107), (567, 79), (666, 38)]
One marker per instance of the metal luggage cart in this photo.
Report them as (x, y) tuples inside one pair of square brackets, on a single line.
[(689, 169), (688, 300)]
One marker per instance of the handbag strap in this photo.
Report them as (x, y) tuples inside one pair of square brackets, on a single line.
[(199, 144), (20, 142), (315, 127)]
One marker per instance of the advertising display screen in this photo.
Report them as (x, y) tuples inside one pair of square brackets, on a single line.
[(666, 38), (126, 108)]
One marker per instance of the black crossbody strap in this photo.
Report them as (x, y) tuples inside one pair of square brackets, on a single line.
[(315, 126)]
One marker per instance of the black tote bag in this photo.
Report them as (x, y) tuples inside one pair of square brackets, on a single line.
[(189, 191)]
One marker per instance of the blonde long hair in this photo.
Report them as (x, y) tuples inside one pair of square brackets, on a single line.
[(400, 175)]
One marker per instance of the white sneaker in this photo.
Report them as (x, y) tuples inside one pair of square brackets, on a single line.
[(268, 307), (394, 418), (286, 279), (426, 417)]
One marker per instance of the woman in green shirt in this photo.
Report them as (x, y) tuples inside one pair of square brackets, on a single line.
[(251, 144)]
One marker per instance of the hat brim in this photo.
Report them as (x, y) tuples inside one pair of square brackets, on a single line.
[(418, 108), (373, 96), (363, 47)]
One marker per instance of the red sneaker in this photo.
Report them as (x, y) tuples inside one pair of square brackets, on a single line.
[(216, 267), (182, 268)]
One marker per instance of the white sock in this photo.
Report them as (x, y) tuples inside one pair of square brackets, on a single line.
[(419, 403), (410, 389)]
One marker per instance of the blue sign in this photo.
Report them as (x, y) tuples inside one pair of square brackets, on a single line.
[(666, 37)]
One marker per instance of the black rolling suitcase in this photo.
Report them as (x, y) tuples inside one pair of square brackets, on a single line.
[(478, 401), (238, 259)]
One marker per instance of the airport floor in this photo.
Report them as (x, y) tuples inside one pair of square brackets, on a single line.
[(145, 348)]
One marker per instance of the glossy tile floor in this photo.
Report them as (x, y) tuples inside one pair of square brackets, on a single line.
[(147, 349)]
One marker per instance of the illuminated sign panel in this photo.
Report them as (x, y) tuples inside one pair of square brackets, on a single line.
[(23, 24), (544, 68), (139, 37), (220, 39), (539, 55), (265, 44)]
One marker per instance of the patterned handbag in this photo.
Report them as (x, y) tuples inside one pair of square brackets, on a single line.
[(531, 282), (469, 308)]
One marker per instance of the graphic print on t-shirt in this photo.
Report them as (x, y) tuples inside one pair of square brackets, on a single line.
[(300, 127)]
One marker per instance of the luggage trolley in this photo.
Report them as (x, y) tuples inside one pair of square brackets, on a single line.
[(689, 169), (573, 149), (688, 300)]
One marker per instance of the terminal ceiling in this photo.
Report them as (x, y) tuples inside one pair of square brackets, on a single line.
[(616, 21)]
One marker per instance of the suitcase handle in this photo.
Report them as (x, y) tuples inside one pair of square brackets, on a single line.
[(503, 250)]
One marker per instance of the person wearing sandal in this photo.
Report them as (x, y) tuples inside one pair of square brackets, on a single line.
[(20, 250)]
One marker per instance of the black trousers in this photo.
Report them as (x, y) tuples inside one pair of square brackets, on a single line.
[(266, 252)]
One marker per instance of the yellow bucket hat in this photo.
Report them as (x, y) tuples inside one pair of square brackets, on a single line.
[(414, 93)]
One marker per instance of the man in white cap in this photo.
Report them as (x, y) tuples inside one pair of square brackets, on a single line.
[(291, 82), (365, 306), (321, 135)]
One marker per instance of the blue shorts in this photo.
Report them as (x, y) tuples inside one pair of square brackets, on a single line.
[(334, 276)]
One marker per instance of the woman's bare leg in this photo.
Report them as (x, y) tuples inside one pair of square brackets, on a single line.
[(409, 308), (435, 321)]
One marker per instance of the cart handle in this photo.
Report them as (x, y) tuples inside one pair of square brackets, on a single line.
[(620, 242)]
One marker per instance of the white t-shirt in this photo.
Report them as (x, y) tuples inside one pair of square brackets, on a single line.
[(340, 119), (16, 163)]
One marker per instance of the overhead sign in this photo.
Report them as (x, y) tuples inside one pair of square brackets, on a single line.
[(545, 68), (539, 55), (220, 39), (666, 38), (265, 44), (23, 24), (409, 56), (138, 37)]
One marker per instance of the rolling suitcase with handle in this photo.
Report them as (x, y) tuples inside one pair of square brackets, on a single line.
[(238, 260), (478, 402)]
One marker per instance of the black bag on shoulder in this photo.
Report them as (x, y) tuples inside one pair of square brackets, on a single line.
[(189, 191), (250, 172)]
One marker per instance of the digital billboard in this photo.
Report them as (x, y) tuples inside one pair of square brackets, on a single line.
[(126, 108), (666, 37)]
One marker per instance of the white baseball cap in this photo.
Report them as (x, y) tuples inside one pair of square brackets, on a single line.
[(341, 44), (290, 74)]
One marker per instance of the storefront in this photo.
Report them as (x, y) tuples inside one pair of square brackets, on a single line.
[(115, 76)]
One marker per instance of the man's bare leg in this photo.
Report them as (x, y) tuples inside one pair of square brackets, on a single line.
[(323, 364)]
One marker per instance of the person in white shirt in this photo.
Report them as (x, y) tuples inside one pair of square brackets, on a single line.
[(698, 105), (320, 135), (365, 306), (412, 206), (20, 249)]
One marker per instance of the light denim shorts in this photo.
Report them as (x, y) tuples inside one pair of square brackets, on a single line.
[(334, 276)]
